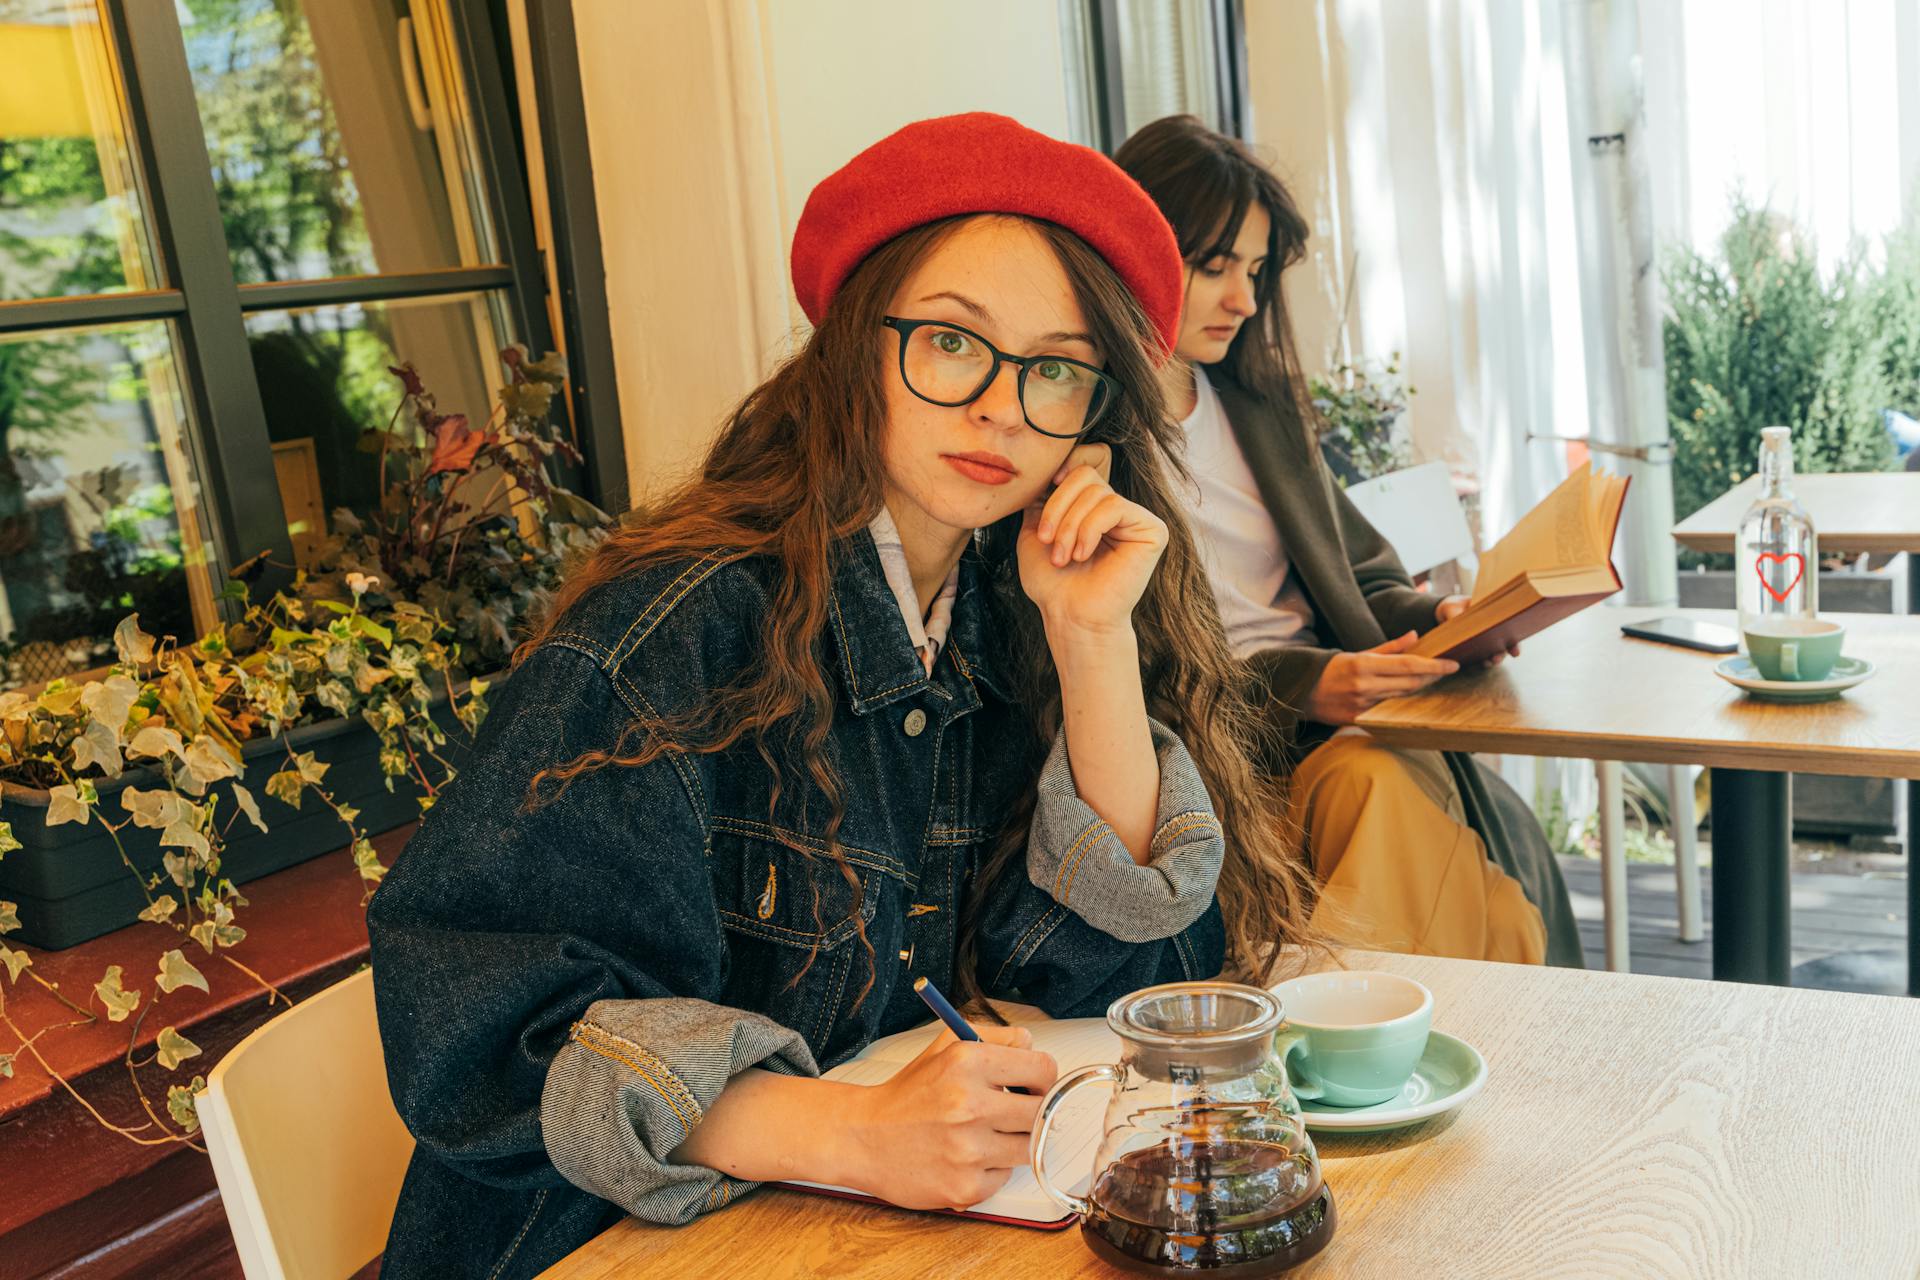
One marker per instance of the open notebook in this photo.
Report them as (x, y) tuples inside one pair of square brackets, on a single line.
[(1074, 1043), (1555, 562)]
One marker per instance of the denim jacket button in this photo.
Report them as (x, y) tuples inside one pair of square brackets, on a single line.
[(916, 723)]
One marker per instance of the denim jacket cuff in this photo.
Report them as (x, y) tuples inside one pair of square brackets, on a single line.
[(1075, 856), (634, 1079)]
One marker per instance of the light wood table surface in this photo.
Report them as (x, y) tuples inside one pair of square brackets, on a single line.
[(1582, 690), (1631, 1126), (1853, 512)]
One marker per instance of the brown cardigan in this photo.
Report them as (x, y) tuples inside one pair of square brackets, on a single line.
[(1362, 596)]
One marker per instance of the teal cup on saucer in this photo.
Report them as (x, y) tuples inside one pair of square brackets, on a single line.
[(1794, 648), (1352, 1039)]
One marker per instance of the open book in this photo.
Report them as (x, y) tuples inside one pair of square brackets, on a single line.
[(1555, 562), (1074, 1043)]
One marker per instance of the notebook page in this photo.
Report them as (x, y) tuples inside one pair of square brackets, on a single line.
[(1071, 1146)]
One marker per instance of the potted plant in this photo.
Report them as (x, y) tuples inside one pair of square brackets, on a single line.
[(350, 690)]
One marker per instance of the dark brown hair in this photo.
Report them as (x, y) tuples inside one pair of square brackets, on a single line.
[(1204, 182), (797, 470)]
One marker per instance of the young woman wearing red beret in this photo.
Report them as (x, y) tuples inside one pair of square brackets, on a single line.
[(1414, 851), (920, 677)]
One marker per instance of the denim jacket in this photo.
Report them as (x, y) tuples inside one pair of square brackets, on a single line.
[(563, 989)]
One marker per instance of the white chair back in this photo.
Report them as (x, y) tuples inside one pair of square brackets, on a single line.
[(1418, 514), (307, 1148)]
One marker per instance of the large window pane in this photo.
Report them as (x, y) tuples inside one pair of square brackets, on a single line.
[(323, 377), (99, 511), (338, 133), (71, 219)]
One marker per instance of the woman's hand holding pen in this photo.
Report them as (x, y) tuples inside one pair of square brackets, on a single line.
[(944, 1132)]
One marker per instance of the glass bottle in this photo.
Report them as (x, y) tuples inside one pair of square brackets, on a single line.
[(1777, 557)]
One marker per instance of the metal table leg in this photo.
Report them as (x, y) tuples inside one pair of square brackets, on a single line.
[(1752, 828), (1913, 880), (1913, 819)]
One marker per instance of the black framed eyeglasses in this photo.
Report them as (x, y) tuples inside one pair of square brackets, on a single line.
[(950, 365)]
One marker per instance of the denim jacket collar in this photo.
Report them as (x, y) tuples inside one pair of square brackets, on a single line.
[(878, 661)]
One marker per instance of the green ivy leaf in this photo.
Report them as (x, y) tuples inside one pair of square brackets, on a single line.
[(180, 1104), (285, 786), (367, 861), (119, 1002), (15, 962), (372, 630), (177, 971), (9, 917), (161, 909), (7, 843), (174, 1049), (6, 1066)]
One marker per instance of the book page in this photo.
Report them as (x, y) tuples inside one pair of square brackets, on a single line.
[(1074, 1043), (1558, 534)]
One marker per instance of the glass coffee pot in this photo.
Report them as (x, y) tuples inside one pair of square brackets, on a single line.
[(1204, 1165)]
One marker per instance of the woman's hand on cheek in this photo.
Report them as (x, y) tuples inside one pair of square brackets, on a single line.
[(1086, 553)]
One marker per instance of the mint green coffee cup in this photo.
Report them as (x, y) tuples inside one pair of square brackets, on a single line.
[(1795, 648), (1352, 1039)]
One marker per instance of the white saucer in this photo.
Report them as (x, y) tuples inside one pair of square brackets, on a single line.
[(1449, 1073), (1741, 673)]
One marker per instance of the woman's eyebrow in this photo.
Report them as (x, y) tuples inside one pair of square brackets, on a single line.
[(985, 316)]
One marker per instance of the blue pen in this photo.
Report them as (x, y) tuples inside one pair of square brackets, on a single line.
[(924, 988)]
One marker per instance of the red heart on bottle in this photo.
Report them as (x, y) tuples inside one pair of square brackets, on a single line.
[(1799, 572)]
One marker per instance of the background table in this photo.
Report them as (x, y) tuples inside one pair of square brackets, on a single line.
[(1853, 512), (1585, 691), (1631, 1126)]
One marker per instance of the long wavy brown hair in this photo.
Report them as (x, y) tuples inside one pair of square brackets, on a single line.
[(1205, 182), (797, 470)]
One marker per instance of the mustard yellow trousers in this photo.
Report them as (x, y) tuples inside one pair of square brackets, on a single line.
[(1399, 869)]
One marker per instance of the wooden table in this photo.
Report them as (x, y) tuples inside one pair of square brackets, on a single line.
[(1583, 690), (1853, 512), (1631, 1126)]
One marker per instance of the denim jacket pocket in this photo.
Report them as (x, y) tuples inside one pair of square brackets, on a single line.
[(791, 920)]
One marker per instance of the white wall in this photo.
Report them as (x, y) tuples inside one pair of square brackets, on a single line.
[(710, 122)]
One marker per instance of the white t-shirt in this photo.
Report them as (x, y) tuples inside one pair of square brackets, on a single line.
[(1259, 596)]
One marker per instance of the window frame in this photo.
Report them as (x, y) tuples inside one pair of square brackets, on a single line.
[(207, 309), (1108, 73)]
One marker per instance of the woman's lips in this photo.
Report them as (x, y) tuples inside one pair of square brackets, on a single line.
[(985, 468), (1221, 331)]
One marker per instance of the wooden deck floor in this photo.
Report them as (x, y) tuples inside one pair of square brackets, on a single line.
[(1832, 915)]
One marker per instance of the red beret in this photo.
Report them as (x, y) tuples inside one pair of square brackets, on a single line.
[(985, 163)]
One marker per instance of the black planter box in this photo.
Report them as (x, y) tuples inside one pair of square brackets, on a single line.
[(71, 886)]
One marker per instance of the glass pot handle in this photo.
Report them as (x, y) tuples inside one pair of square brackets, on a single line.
[(1061, 1088)]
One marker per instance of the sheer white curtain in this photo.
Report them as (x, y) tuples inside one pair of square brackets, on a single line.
[(1810, 106), (1429, 142)]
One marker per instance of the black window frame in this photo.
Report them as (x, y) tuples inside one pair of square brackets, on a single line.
[(1109, 78), (228, 440)]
